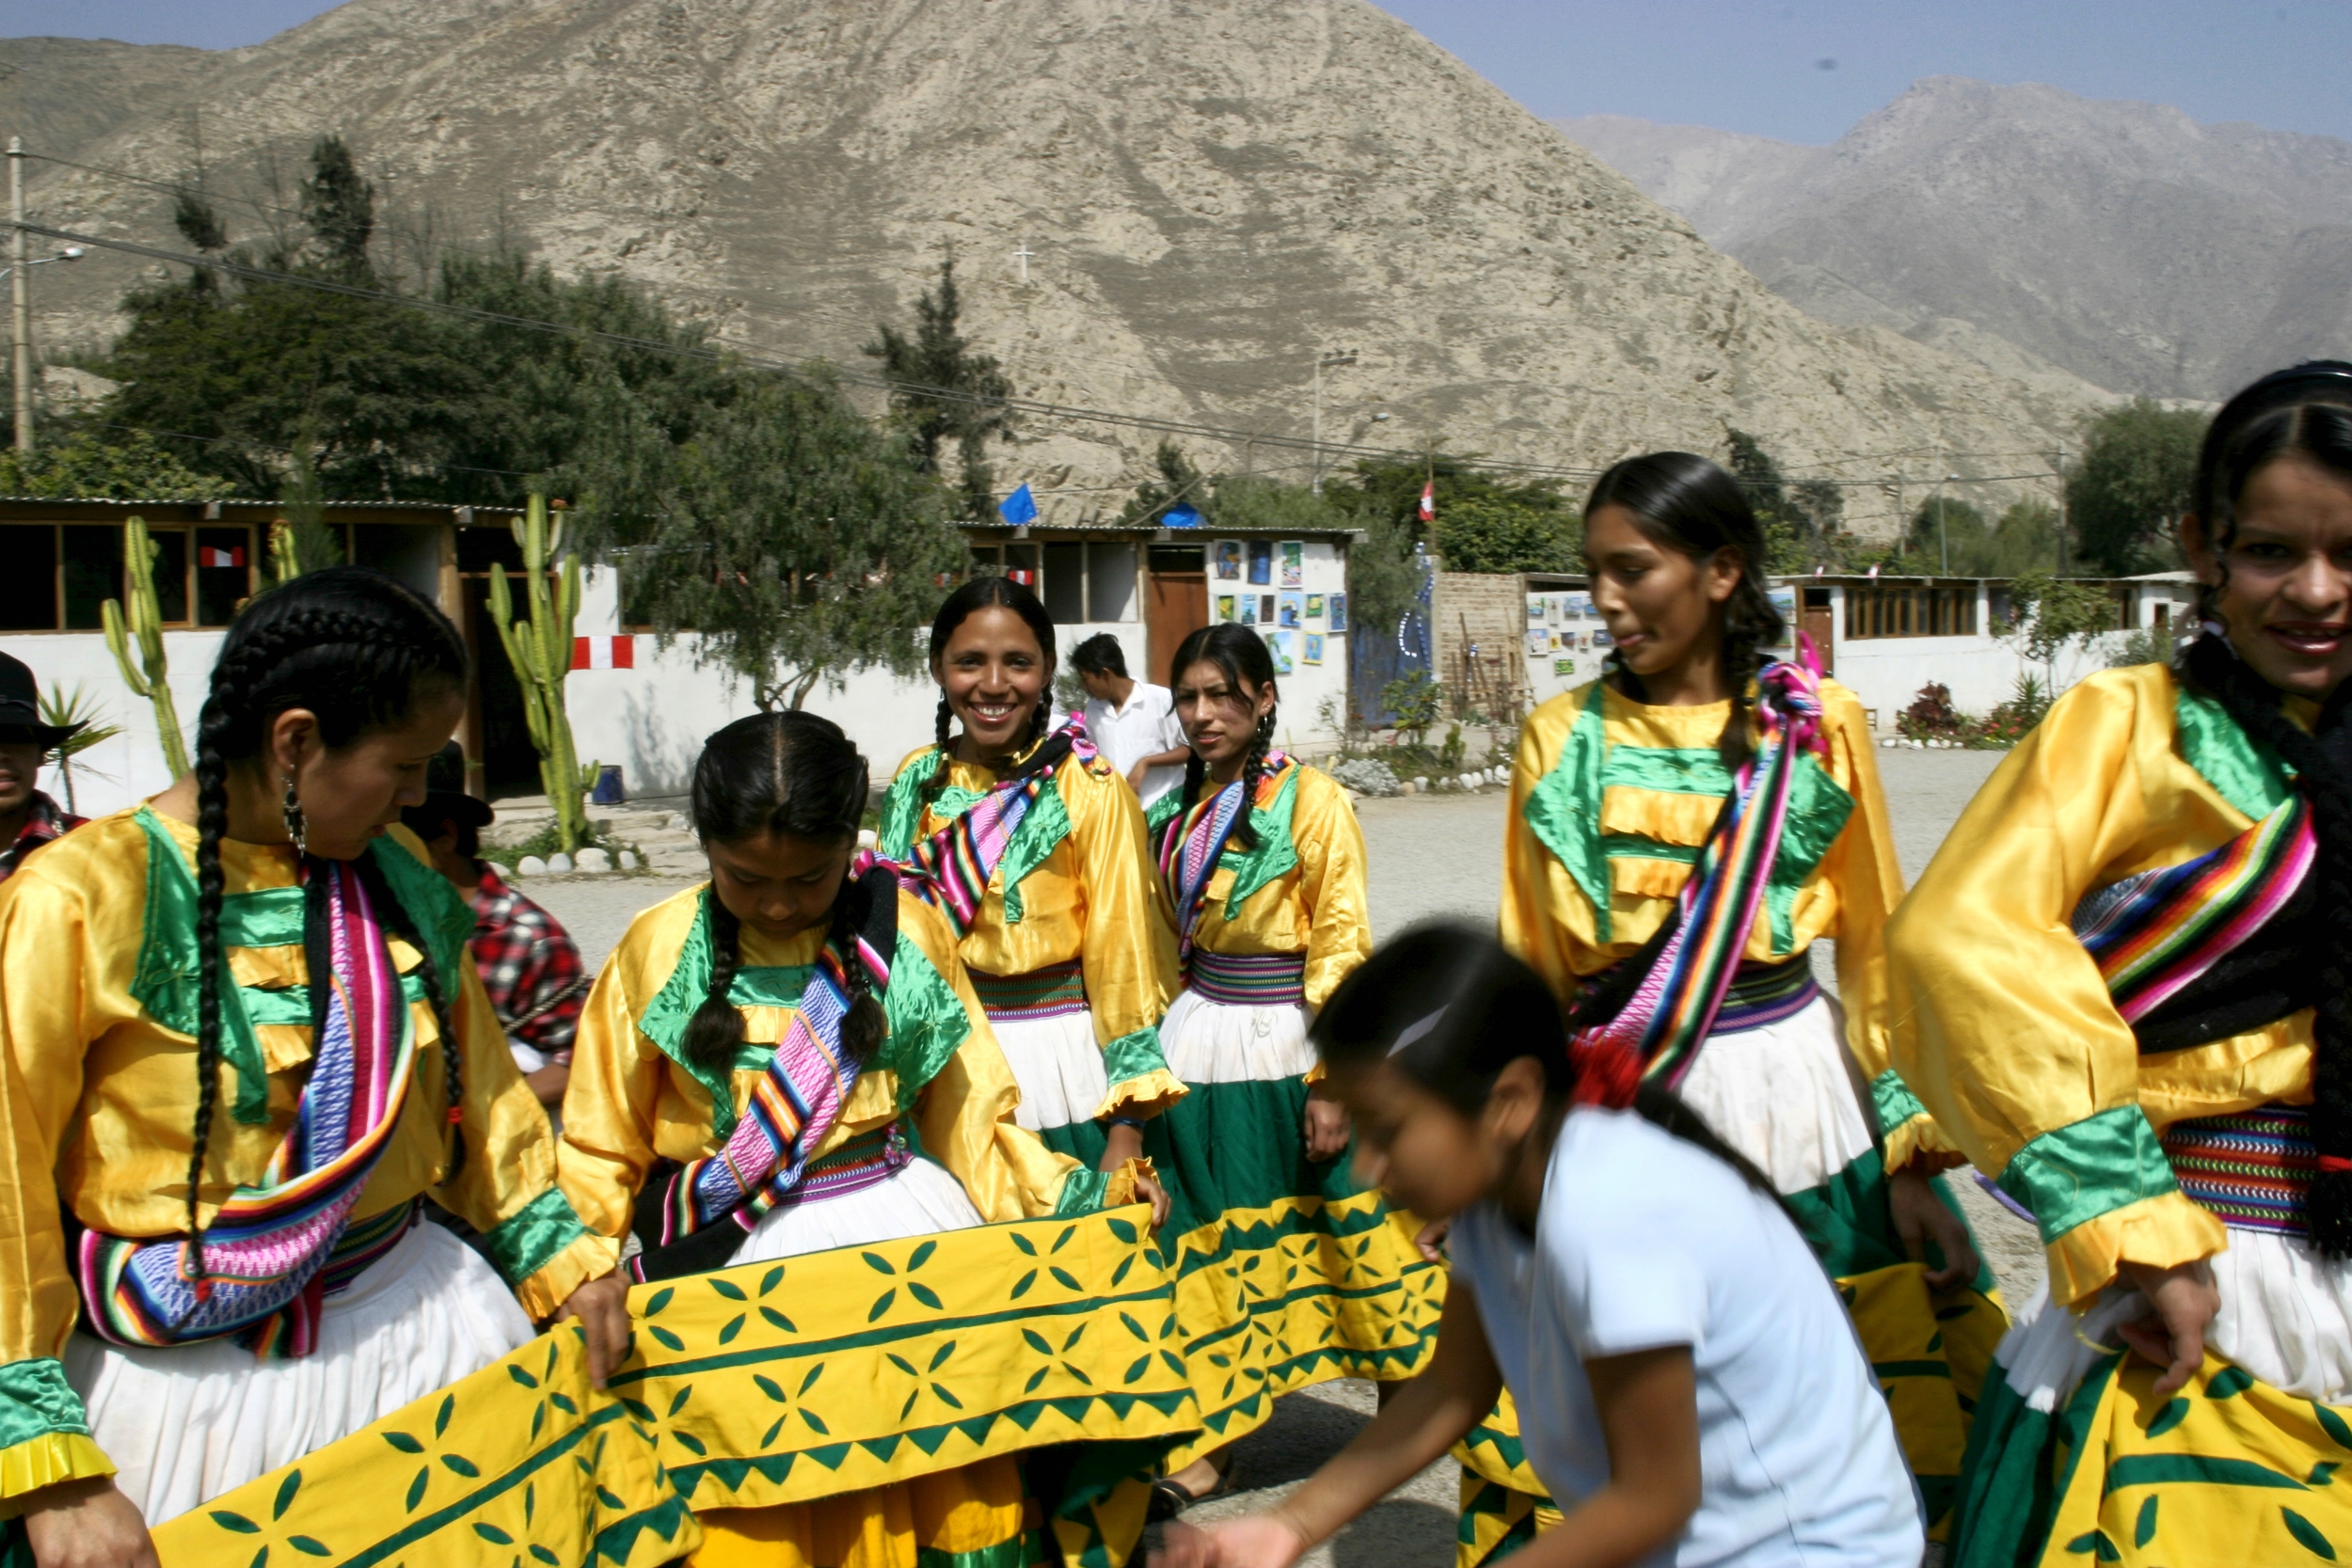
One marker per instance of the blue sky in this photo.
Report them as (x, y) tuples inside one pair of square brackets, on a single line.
[(1799, 69)]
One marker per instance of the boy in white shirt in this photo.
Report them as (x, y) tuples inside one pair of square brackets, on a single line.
[(1134, 722)]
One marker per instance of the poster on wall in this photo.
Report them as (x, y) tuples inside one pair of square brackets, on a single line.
[(1539, 642), (1580, 607), (1280, 642), (1261, 561), (1225, 607), (1784, 600), (1227, 556), (1315, 607), (1265, 609), (1314, 649), (1534, 607), (1339, 611), (1293, 563), (1564, 667), (1294, 610)]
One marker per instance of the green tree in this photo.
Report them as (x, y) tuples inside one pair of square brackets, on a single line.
[(948, 392), (1384, 497), (1487, 535), (2126, 495), (1175, 479), (800, 543), (2051, 614), (135, 468), (339, 207)]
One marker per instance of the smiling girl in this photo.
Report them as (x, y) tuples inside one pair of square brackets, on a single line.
[(241, 1042), (802, 976), (1695, 1394), (1696, 821), (1264, 864), (2125, 985), (1037, 846)]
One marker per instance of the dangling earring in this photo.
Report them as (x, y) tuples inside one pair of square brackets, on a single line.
[(293, 809)]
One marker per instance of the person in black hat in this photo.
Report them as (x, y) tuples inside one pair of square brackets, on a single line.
[(29, 817), (529, 963)]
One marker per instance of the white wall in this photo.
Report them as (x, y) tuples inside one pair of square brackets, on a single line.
[(126, 769), (1299, 726)]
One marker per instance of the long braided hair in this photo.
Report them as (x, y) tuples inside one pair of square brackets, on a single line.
[(980, 594), (1239, 653), (1682, 502), (2306, 412), (796, 774), (356, 648)]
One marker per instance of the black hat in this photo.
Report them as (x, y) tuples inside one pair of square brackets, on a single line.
[(445, 797), (19, 709)]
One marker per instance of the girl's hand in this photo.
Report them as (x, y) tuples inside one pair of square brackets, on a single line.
[(87, 1524), (2185, 1300), (1149, 1191), (1328, 1128), (601, 1308), (1920, 1216), (1259, 1541), (1430, 1239)]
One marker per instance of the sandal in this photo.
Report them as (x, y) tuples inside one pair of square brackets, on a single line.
[(1168, 1500)]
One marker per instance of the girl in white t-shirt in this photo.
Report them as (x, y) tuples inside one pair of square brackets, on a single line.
[(1690, 1387)]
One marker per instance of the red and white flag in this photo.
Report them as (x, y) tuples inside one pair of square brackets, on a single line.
[(208, 555), (604, 652), (1429, 501)]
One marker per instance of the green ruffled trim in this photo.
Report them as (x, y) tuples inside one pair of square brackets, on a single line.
[(520, 1245), (2095, 1166), (36, 1400), (1134, 1056), (166, 979), (2243, 771), (1082, 1193), (928, 1023), (1892, 1099)]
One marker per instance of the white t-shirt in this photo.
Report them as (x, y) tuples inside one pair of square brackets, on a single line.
[(1145, 728), (1644, 1241)]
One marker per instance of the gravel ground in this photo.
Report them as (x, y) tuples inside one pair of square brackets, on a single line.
[(1430, 855)]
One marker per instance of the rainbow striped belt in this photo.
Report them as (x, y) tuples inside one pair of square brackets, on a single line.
[(1047, 992), (364, 1242), (2252, 1167), (1250, 979), (863, 1161)]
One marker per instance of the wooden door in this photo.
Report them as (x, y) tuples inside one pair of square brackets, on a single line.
[(1176, 605), (1821, 624)]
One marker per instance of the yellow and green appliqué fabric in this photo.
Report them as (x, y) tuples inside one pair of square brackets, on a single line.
[(771, 1383)]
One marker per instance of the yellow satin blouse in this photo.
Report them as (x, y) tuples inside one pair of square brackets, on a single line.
[(629, 1102), (1611, 804), (2002, 1022), (97, 1099)]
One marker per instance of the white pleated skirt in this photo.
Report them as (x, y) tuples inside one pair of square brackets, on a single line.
[(1223, 1042), (1783, 1096), (1057, 1065), (919, 1198), (188, 1423)]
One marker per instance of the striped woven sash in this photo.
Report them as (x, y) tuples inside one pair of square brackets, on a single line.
[(1050, 992), (860, 1163), (1250, 979), (950, 870), (1194, 841), (2250, 1167), (267, 1252)]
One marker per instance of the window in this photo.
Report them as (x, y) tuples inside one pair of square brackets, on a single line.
[(60, 573), (1064, 589), (1080, 580), (1910, 611), (1110, 581)]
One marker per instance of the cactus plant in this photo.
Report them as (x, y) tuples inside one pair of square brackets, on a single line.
[(540, 650), (144, 623)]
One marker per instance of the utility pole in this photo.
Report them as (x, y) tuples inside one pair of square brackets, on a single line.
[(2061, 464), (19, 302)]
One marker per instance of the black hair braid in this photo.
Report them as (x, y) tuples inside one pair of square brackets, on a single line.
[(939, 770), (1252, 769), (1042, 721), (864, 1027), (1740, 642), (2254, 704), (396, 919), (717, 1028), (212, 825), (1196, 774)]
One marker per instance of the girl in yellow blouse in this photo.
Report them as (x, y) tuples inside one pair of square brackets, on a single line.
[(1624, 785), (213, 1156), (789, 1059), (2125, 987), (1264, 862), (1040, 844)]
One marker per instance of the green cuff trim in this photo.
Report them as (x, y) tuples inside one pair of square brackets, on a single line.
[(1132, 1057), (1892, 1099), (2095, 1166), (36, 1400), (1082, 1193), (521, 1245)]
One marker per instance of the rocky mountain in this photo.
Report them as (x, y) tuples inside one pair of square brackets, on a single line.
[(2124, 243), (1210, 194)]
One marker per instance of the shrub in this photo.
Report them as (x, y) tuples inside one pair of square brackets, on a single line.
[(1931, 715)]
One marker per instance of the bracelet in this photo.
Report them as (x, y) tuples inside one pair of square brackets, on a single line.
[(1135, 1122)]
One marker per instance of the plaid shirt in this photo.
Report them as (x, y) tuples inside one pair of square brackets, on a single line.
[(530, 966), (43, 821)]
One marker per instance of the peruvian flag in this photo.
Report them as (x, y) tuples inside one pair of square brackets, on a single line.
[(208, 555), (1429, 501), (604, 652)]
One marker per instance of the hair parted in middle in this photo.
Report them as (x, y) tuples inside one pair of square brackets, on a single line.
[(982, 593), (1240, 655)]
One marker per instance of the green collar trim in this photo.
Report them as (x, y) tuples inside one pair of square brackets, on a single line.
[(1275, 855), (1047, 825), (928, 1023), (2243, 771), (167, 978)]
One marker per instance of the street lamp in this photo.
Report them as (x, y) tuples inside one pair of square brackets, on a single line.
[(19, 274)]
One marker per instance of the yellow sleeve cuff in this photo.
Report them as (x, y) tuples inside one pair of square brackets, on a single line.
[(1143, 1097), (587, 1257), (1919, 1143), (45, 1461), (1121, 1190), (2160, 1231), (1314, 1074)]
